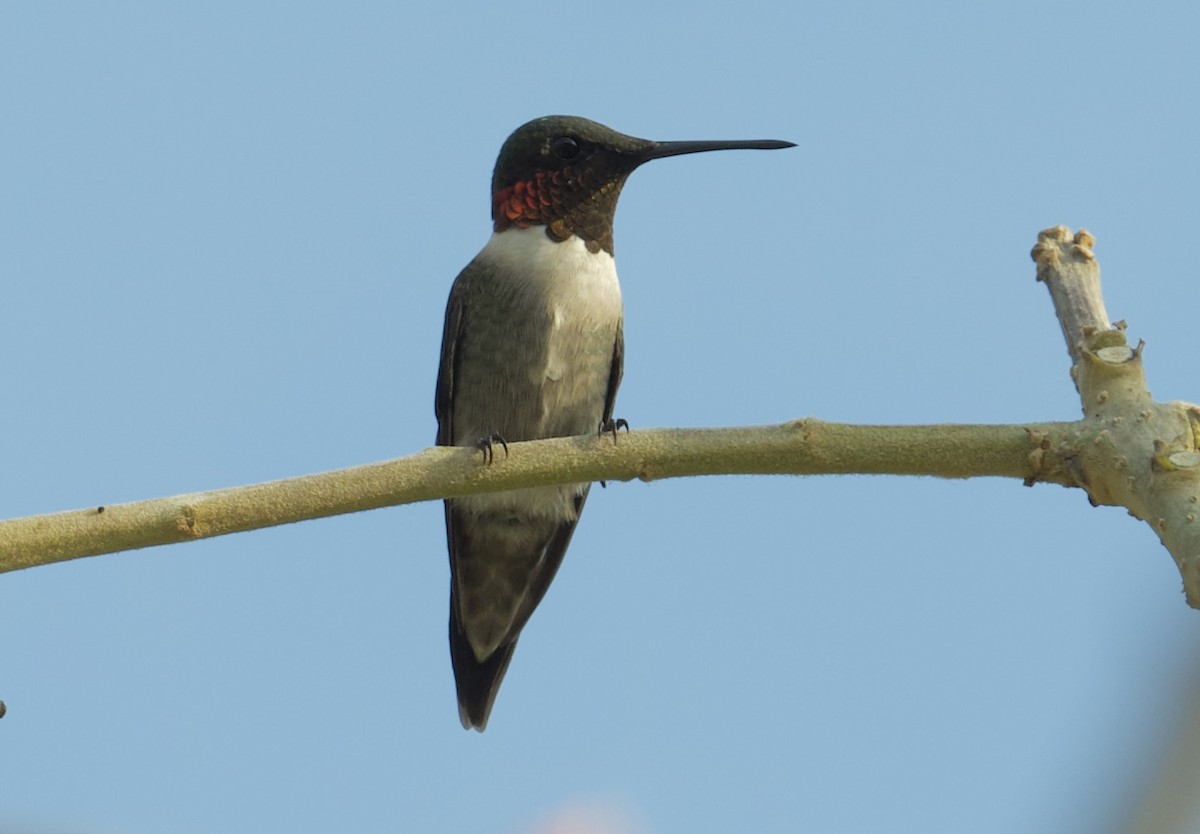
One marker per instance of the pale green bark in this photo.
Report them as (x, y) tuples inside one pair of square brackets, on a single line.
[(802, 447)]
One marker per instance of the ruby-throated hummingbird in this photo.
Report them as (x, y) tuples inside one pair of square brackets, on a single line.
[(532, 348)]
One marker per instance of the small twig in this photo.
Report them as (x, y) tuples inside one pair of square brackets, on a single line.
[(1068, 268)]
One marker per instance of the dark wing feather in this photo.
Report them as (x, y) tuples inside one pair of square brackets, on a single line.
[(478, 681), (443, 401), (614, 373)]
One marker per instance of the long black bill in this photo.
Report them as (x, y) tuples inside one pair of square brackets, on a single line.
[(660, 149)]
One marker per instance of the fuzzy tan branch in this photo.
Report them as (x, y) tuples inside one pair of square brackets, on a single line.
[(802, 447)]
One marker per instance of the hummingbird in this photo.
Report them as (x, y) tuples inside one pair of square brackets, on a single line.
[(533, 348)]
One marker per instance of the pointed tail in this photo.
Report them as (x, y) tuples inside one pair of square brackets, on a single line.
[(477, 682)]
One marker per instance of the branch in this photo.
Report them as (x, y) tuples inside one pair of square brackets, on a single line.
[(801, 447), (1144, 454), (1127, 451)]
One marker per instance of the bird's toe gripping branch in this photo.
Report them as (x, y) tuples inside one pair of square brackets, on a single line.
[(486, 446), (611, 426)]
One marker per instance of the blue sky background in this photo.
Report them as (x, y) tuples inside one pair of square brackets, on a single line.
[(227, 233)]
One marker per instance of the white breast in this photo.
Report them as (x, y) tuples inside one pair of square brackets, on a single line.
[(576, 282)]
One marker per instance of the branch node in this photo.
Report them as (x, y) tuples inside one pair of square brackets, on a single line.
[(1167, 458), (1116, 355), (1047, 249), (186, 523), (1037, 457)]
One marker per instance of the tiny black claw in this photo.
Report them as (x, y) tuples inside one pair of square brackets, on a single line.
[(484, 444), (610, 427)]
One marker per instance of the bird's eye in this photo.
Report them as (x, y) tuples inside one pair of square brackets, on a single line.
[(564, 147)]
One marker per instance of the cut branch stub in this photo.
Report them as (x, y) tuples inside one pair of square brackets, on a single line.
[(1068, 268)]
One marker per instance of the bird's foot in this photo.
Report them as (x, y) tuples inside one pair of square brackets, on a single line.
[(610, 426), (485, 445)]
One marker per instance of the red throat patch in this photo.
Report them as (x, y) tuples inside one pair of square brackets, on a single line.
[(524, 203)]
